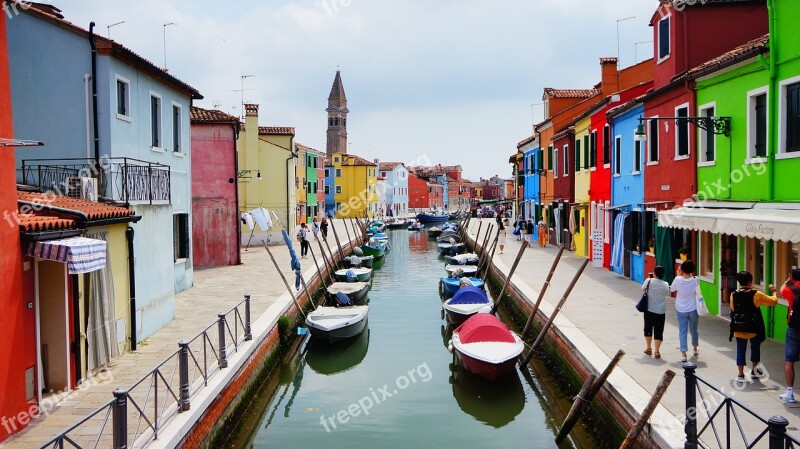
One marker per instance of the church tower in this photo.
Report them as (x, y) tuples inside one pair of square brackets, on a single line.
[(337, 118)]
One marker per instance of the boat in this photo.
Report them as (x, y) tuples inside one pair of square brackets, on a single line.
[(397, 224), (361, 274), (364, 261), (449, 233), (463, 259), (492, 403), (328, 360), (451, 285), (451, 248), (434, 231), (485, 347), (449, 239), (432, 218), (377, 224), (333, 324), (356, 291), (466, 302), (381, 236), (375, 248), (416, 226), (466, 270)]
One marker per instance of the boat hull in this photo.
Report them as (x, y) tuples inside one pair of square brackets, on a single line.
[(362, 277), (374, 252), (340, 334), (356, 296), (489, 371), (426, 218), (366, 261), (451, 285)]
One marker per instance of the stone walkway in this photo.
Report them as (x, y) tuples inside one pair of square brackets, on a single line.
[(215, 290), (602, 307)]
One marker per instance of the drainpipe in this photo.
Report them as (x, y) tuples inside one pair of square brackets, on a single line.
[(129, 233), (236, 192), (774, 95), (94, 95), (292, 155)]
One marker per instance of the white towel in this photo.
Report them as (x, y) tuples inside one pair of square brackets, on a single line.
[(261, 216), (248, 219)]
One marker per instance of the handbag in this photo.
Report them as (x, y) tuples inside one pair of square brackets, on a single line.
[(702, 310), (641, 306)]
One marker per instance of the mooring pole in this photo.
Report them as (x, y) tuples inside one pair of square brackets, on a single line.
[(666, 379), (488, 261), (574, 411), (328, 269), (331, 255), (486, 239), (347, 230), (319, 271), (543, 332), (541, 293), (285, 282), (480, 224), (336, 236), (357, 236), (508, 278)]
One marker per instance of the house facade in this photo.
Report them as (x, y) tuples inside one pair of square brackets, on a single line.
[(396, 188), (310, 184), (354, 183), (417, 194), (529, 150)]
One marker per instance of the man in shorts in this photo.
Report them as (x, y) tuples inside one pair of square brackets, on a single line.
[(791, 293)]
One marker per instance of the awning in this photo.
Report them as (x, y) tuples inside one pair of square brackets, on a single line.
[(81, 254), (767, 224)]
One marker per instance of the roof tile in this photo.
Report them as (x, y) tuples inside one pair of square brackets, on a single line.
[(33, 222), (571, 93), (201, 115), (93, 210)]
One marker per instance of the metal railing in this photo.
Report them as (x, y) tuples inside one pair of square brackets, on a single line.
[(716, 406), (163, 392), (122, 179)]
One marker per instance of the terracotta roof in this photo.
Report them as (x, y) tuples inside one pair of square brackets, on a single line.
[(564, 132), (526, 141), (276, 130), (353, 160), (743, 52), (93, 210), (201, 115), (388, 165), (307, 149), (611, 60), (570, 93), (33, 222), (616, 110)]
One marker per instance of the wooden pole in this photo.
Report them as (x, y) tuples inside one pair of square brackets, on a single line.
[(285, 282), (586, 396), (508, 278), (332, 256), (347, 230), (357, 227), (328, 269), (666, 379), (488, 260), (549, 323), (541, 293), (480, 224), (336, 236), (319, 272), (574, 411)]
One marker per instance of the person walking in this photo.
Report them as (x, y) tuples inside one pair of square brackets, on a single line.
[(529, 232), (791, 293), (685, 288), (518, 228), (323, 227), (542, 234), (315, 227), (302, 235), (654, 317), (747, 324), (501, 236)]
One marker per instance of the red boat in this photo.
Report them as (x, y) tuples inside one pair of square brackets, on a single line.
[(486, 347)]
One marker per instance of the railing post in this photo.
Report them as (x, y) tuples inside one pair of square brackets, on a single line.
[(777, 432), (690, 427), (120, 419), (223, 355), (248, 332), (150, 180), (183, 373)]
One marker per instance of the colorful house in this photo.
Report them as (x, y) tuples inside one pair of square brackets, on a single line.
[(584, 162), (529, 150), (309, 183), (417, 194), (396, 176), (138, 154), (215, 202), (269, 164), (354, 183), (563, 186)]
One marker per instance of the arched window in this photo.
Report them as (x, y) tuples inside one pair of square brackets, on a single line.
[(336, 121)]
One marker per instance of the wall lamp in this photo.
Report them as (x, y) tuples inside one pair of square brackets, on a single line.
[(243, 173), (715, 125)]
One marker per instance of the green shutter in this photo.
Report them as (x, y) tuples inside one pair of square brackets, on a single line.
[(586, 151), (577, 155), (550, 157)]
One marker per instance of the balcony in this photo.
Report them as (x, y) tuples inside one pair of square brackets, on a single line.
[(122, 180)]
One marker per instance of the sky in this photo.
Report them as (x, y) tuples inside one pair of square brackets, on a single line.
[(431, 82)]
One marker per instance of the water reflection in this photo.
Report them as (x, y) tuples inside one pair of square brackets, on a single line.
[(338, 358), (493, 403)]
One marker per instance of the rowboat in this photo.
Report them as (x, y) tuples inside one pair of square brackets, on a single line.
[(463, 259), (361, 274), (466, 270), (451, 248), (450, 285), (333, 324), (434, 232), (432, 218), (356, 291), (466, 302), (377, 249), (485, 347), (397, 224), (364, 261)]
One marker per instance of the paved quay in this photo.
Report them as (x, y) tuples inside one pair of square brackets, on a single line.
[(215, 290), (601, 307)]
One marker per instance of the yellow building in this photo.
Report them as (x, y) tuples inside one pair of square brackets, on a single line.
[(268, 178), (354, 181), (582, 181)]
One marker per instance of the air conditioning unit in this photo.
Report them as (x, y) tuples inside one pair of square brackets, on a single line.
[(82, 187)]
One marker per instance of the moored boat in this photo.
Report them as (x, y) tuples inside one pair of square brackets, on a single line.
[(463, 259), (466, 270), (397, 224), (485, 347), (466, 302), (356, 291), (434, 232), (432, 218), (451, 248), (333, 324), (375, 248), (364, 261), (361, 274), (451, 285)]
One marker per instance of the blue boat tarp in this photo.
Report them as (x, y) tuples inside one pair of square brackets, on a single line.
[(469, 295)]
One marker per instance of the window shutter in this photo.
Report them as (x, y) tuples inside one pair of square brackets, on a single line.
[(606, 144), (550, 157), (586, 151), (761, 125), (577, 149), (793, 118)]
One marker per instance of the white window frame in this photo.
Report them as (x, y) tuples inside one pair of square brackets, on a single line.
[(338, 172), (181, 152), (159, 149), (658, 39), (702, 276), (606, 222), (634, 171), (338, 190), (751, 125), (566, 160), (555, 162), (616, 156), (647, 130), (688, 134), (782, 109), (702, 134), (125, 117)]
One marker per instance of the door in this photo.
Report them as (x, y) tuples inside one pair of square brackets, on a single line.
[(729, 256), (55, 359)]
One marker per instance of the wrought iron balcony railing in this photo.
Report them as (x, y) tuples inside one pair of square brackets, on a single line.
[(125, 180)]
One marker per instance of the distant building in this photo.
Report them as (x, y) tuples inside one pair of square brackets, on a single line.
[(396, 176), (354, 183), (337, 118), (309, 180), (417, 194)]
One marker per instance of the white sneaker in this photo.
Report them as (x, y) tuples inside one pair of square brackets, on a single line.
[(787, 398)]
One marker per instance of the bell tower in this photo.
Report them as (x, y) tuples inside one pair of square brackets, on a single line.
[(337, 118)]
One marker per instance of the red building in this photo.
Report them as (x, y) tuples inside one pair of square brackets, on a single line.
[(435, 195), (417, 193), (563, 184), (670, 155), (215, 217)]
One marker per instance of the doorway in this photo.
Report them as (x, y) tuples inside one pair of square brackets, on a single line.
[(729, 257), (53, 318)]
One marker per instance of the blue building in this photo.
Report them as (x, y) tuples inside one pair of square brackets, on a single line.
[(531, 163), (130, 146), (627, 192), (330, 200), (396, 176)]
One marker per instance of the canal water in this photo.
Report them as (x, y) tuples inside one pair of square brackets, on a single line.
[(397, 386)]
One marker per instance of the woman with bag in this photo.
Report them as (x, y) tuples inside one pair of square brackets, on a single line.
[(501, 236), (747, 324), (657, 291), (685, 288)]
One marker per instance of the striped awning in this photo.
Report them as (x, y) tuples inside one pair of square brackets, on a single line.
[(81, 254)]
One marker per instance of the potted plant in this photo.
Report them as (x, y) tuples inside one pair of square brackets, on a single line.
[(684, 251), (652, 245)]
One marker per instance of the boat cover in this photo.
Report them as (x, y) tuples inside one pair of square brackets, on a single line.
[(343, 299), (351, 276), (469, 295), (484, 327)]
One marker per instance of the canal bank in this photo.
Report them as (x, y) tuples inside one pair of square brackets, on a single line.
[(599, 318)]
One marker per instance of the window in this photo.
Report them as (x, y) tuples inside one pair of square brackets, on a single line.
[(637, 157), (606, 145), (383, 174), (330, 121), (663, 39), (593, 150), (155, 121), (757, 123), (607, 223), (652, 141), (586, 151), (577, 155), (617, 155), (705, 266), (754, 260), (123, 98), (555, 162), (707, 138), (539, 159), (338, 189), (338, 172), (650, 230), (787, 258), (336, 159), (176, 129), (180, 236), (566, 160), (681, 132), (793, 117), (327, 190), (550, 157), (327, 173), (316, 187)]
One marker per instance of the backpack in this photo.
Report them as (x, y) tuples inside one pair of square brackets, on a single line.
[(794, 316), (743, 317)]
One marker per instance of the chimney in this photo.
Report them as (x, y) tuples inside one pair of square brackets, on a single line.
[(609, 83), (250, 110)]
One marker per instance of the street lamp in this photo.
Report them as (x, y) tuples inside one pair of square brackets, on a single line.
[(714, 125), (243, 173)]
